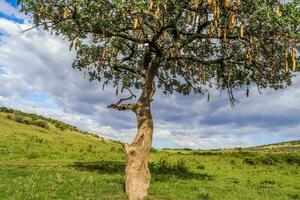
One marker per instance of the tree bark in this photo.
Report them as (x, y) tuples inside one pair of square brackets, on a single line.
[(137, 154)]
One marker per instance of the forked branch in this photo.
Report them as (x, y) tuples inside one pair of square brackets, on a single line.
[(119, 106)]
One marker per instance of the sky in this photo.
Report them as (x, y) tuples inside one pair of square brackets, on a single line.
[(36, 76)]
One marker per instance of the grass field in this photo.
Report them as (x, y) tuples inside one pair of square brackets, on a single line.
[(62, 163)]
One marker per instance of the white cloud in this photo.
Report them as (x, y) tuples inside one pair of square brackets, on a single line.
[(215, 142)]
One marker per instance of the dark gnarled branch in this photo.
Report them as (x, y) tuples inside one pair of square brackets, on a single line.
[(119, 106)]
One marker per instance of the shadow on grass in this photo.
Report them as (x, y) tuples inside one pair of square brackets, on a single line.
[(158, 173), (104, 167)]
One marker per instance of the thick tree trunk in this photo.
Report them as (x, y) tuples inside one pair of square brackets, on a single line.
[(137, 155)]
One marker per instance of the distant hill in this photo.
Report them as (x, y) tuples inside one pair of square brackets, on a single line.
[(38, 120), (29, 136), (34, 136), (291, 146)]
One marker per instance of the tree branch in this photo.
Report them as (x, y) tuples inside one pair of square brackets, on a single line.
[(196, 59), (121, 107)]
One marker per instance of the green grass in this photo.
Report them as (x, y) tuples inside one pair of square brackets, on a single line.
[(55, 163)]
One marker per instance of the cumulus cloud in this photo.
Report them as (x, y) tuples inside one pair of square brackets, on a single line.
[(39, 63)]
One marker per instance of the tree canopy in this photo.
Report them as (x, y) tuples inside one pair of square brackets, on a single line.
[(195, 44)]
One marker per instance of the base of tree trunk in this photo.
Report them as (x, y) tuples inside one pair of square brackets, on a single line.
[(137, 172)]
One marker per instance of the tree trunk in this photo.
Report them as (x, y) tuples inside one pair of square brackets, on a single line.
[(137, 155)]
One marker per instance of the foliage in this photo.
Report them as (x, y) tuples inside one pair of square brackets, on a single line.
[(29, 121), (163, 167), (205, 196), (273, 159), (40, 123), (190, 45)]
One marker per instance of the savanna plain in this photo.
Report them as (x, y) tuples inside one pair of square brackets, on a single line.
[(42, 158)]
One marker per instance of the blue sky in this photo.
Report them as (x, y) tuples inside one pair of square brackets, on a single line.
[(2, 71), (12, 2), (36, 76)]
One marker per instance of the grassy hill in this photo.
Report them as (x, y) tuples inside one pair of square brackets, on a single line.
[(292, 146), (42, 158), (22, 139)]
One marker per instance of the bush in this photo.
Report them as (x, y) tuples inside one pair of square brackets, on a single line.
[(27, 121), (41, 123), (233, 162), (269, 161), (19, 118), (163, 167), (200, 166), (153, 150), (292, 159), (265, 182), (40, 140), (273, 159), (22, 119), (9, 116), (60, 126), (295, 196), (250, 161), (112, 148), (204, 196), (181, 167), (32, 155), (206, 153), (95, 135), (6, 110)]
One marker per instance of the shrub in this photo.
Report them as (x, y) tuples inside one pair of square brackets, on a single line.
[(19, 118), (26, 120), (273, 159), (269, 161), (9, 116), (206, 153), (32, 155), (181, 167), (269, 182), (41, 123), (60, 126), (40, 140), (153, 150), (112, 148), (295, 196), (6, 110), (292, 159), (95, 135), (250, 161), (233, 162), (163, 167), (204, 196), (22, 119), (200, 166)]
